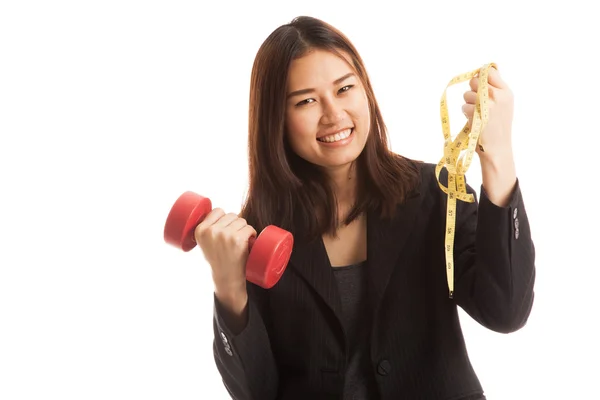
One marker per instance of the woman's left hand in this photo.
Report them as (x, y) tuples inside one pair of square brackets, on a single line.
[(496, 135), (497, 161)]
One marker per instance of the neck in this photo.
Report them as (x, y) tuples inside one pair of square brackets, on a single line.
[(345, 186)]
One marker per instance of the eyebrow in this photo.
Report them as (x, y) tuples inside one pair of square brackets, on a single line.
[(310, 90)]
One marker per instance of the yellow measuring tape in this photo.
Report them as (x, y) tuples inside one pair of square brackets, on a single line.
[(456, 163)]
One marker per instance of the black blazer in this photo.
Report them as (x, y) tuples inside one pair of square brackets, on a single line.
[(293, 346)]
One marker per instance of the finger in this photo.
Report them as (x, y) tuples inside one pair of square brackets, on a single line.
[(211, 218), (474, 83), (237, 224), (247, 235), (470, 97), (468, 110), (207, 222), (247, 232), (225, 220), (494, 79)]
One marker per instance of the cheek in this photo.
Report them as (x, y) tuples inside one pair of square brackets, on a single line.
[(301, 127), (365, 105), (361, 113)]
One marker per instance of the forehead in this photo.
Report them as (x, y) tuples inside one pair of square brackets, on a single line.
[(317, 68)]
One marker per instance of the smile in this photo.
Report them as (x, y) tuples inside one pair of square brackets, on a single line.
[(336, 137)]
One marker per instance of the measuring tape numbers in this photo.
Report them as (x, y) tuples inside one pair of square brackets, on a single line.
[(456, 162)]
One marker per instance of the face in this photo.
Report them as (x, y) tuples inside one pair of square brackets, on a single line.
[(327, 111)]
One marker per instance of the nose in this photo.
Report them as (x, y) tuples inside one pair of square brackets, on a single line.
[(333, 113)]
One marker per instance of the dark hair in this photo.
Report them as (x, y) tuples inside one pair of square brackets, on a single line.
[(284, 189)]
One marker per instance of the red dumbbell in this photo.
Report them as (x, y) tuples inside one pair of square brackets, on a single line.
[(269, 252)]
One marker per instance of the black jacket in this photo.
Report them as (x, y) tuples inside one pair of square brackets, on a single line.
[(293, 345)]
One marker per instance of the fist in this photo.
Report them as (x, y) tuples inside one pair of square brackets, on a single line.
[(224, 240), (496, 135)]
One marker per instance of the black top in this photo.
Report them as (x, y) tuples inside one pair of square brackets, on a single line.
[(359, 382)]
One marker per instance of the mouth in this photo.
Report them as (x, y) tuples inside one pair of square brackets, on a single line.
[(336, 137)]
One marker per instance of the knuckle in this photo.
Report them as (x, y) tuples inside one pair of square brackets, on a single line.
[(236, 241), (216, 233), (202, 228), (239, 240), (199, 234)]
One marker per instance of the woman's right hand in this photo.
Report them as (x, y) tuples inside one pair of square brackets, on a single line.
[(224, 239)]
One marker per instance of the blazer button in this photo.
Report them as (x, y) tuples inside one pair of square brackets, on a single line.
[(226, 344), (384, 368), (515, 212)]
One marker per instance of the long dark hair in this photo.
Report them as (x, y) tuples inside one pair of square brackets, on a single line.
[(284, 189)]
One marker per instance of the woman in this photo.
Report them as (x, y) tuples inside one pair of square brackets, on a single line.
[(362, 310)]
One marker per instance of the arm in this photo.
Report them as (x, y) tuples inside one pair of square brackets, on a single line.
[(242, 349), (494, 253), (495, 257)]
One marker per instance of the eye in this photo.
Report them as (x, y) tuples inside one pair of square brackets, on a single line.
[(346, 88), (303, 102)]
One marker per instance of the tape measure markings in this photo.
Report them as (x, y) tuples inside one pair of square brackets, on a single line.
[(456, 163)]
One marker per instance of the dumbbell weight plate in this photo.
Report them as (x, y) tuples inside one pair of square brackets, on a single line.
[(269, 256), (186, 214)]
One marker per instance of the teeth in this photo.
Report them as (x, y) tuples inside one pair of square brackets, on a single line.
[(336, 137)]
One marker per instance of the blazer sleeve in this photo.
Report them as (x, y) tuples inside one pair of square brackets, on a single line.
[(494, 262), (245, 360)]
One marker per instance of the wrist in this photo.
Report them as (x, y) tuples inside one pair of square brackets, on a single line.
[(232, 297), (498, 175)]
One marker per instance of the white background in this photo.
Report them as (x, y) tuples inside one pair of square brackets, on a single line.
[(110, 109)]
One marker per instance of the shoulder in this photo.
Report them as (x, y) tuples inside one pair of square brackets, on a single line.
[(428, 181), (428, 189), (427, 174)]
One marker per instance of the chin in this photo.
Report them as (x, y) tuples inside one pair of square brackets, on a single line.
[(338, 161)]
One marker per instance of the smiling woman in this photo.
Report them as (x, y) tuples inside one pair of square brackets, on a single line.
[(361, 311)]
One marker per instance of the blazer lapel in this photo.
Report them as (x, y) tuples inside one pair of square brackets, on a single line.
[(385, 241), (311, 261)]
